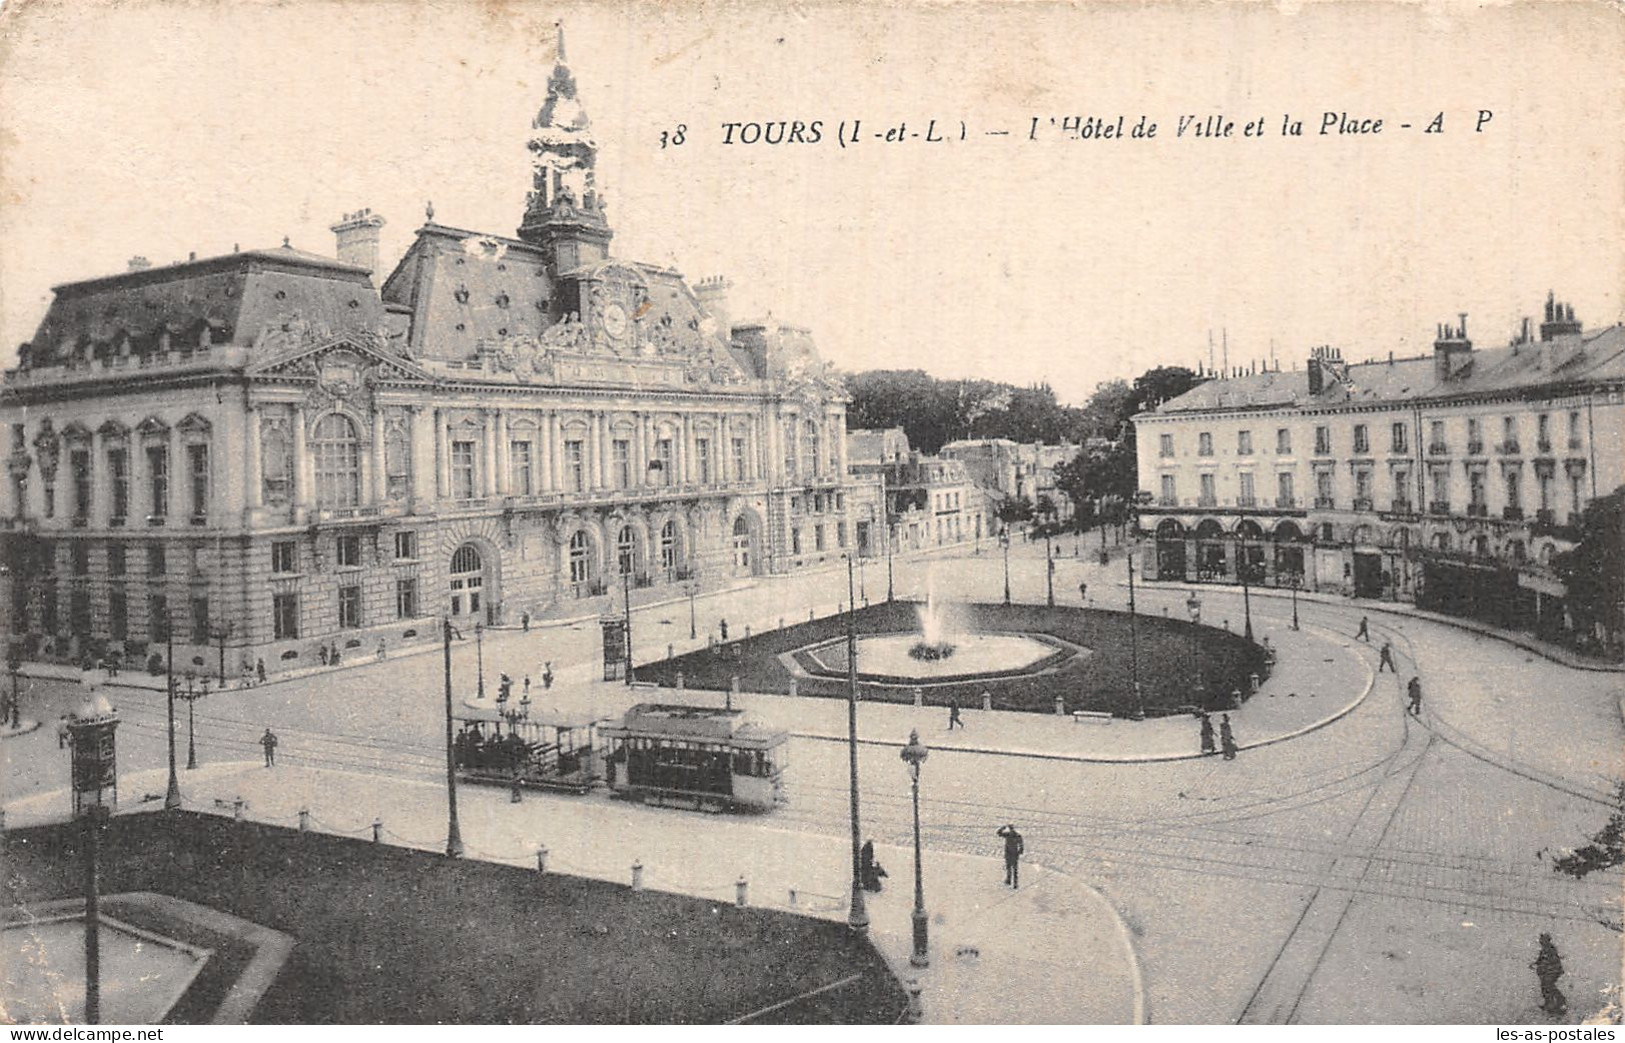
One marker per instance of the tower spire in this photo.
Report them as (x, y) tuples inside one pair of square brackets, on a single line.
[(564, 212), (560, 24)]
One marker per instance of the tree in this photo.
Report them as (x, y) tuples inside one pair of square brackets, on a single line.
[(1605, 851), (1594, 571), (1156, 386), (1014, 509), (1045, 507)]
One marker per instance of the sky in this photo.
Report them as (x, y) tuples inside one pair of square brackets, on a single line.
[(161, 129)]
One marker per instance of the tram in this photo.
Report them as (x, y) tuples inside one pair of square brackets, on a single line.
[(697, 757), (540, 751)]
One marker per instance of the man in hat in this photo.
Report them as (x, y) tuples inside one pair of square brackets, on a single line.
[(268, 740), (1013, 848)]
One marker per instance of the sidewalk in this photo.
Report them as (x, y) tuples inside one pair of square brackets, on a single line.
[(1053, 952)]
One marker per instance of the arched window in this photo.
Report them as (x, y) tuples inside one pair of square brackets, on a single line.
[(467, 579), (809, 449), (668, 547), (626, 550), (789, 448), (338, 462), (580, 557), (741, 545)]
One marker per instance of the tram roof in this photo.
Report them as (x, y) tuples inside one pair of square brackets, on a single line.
[(545, 719), (696, 722)]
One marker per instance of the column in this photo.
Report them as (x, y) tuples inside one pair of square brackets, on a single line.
[(604, 452), (725, 449), (504, 476), (555, 449), (838, 430), (592, 449), (544, 455), (488, 458), (442, 455), (253, 478), (685, 451), (301, 460), (774, 468), (640, 450), (380, 481), (423, 453)]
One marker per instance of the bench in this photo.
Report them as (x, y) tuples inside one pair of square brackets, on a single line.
[(1091, 717)]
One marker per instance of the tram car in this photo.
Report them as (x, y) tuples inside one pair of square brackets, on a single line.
[(539, 751), (695, 756)]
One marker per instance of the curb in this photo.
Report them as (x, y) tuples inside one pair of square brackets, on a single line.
[(1136, 973)]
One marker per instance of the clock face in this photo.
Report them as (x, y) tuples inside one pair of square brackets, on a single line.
[(615, 320)]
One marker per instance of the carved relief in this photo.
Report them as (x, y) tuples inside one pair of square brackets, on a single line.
[(276, 459)]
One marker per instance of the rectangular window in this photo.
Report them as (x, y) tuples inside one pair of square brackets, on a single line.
[(1402, 489), (1475, 436), (519, 473), (79, 557), (158, 479), (197, 474), (1509, 434), (1169, 497), (741, 471), (1283, 441), (79, 461), (818, 536), (350, 607), (157, 617), (1246, 497), (1204, 444), (406, 546), (840, 534), (1543, 432), (1209, 496), (200, 621), (1399, 442), (1362, 486), (575, 466), (702, 460), (285, 556), (795, 541), (1165, 445), (348, 551), (620, 460), (1574, 429), (118, 467), (115, 559), (406, 598), (1514, 479), (118, 615), (285, 616), (1323, 489), (1283, 490), (1362, 442), (1436, 443), (1323, 440), (1244, 443), (157, 564), (462, 470), (664, 456)]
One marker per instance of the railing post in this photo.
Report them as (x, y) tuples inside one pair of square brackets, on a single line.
[(541, 858), (987, 700), (916, 1010), (1060, 706), (237, 809), (377, 830), (637, 876), (793, 688), (304, 820), (919, 698), (741, 892)]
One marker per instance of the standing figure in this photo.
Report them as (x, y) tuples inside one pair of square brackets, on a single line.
[(268, 740), (953, 717), (527, 688), (1013, 847), (1227, 738), (333, 660), (383, 650), (1083, 591), (722, 628), (62, 732), (259, 669), (1208, 749), (870, 872), (524, 621), (322, 655), (547, 675), (1364, 633), (1386, 658), (1548, 967), (1414, 690)]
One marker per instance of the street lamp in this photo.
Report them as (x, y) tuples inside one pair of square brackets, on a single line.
[(914, 755), (192, 696), (1246, 591), (479, 654), (1296, 580), (1049, 567), (454, 836), (221, 634), (1134, 639), (172, 795), (891, 538), (94, 774), (1193, 606), (693, 624), (1004, 541), (857, 917), (863, 583), (626, 594), (14, 666)]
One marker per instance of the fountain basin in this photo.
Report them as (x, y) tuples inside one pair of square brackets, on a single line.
[(886, 658)]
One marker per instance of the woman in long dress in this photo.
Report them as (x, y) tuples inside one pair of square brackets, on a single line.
[(1207, 735), (1227, 738)]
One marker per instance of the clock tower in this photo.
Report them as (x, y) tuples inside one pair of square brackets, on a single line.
[(564, 212)]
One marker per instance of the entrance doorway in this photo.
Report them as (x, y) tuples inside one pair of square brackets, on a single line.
[(1368, 575), (743, 547), (468, 593)]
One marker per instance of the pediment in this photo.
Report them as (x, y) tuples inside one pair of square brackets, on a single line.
[(347, 358)]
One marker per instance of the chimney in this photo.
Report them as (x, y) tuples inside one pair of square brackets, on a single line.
[(1450, 349), (139, 263), (357, 236), (712, 294), (1317, 375), (1560, 321)]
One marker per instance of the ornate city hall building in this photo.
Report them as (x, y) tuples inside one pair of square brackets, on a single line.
[(1452, 479), (270, 454)]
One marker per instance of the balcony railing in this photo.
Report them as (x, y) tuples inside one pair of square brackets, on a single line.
[(1286, 503), (1401, 507), (1437, 449), (1325, 503), (1509, 449), (1574, 444), (1544, 447), (1362, 504), (1475, 448), (1246, 501), (1478, 510), (1168, 501), (1545, 516), (1322, 450), (1438, 506), (1512, 513)]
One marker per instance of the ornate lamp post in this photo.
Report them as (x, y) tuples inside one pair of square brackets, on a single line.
[(693, 623), (14, 667), (891, 538), (1134, 639), (914, 755), (95, 773), (1193, 606), (1246, 590), (1297, 580), (1004, 541), (221, 635), (192, 696), (858, 916), (626, 595), (172, 795), (1049, 567), (454, 835)]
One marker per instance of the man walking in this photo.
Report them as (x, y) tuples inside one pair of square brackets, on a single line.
[(953, 717), (547, 675), (1208, 749), (1364, 633), (524, 621), (1548, 967), (1083, 592), (1386, 658), (1414, 690), (259, 669), (268, 740), (1227, 738), (1013, 847), (722, 628)]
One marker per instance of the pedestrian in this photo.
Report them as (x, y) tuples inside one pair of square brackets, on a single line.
[(383, 650), (524, 621), (259, 669), (527, 688), (323, 655), (62, 732), (1013, 847), (1386, 658), (1364, 633), (1414, 690), (1548, 967), (870, 872), (1227, 738), (953, 716), (547, 675), (1208, 748), (1083, 592), (333, 660), (722, 628), (268, 740)]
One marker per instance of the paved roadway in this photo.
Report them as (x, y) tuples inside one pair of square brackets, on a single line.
[(1381, 869)]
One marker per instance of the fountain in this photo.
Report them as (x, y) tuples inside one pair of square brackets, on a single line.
[(933, 644)]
